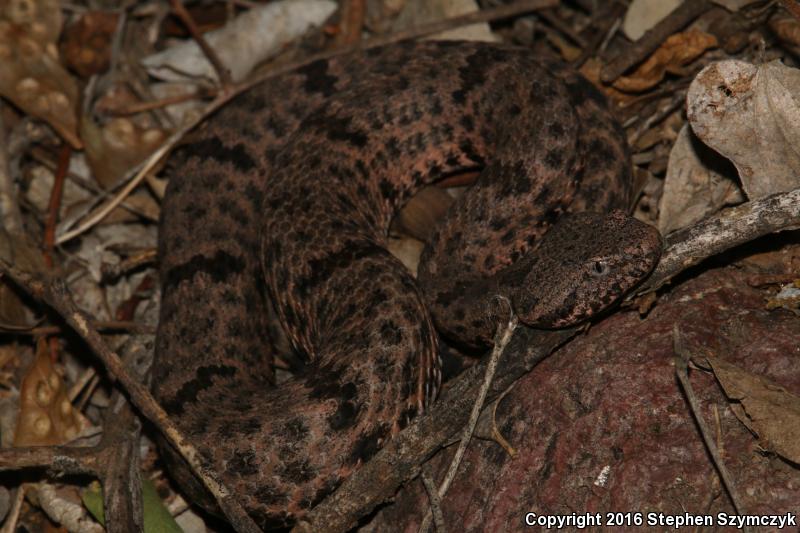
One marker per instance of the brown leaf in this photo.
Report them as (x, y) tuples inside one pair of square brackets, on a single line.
[(677, 51), (30, 73), (419, 216), (786, 27), (118, 146), (765, 408), (46, 416), (87, 42)]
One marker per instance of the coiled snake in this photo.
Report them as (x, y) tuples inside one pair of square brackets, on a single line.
[(288, 196)]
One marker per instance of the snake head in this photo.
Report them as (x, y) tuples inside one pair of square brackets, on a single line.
[(582, 266)]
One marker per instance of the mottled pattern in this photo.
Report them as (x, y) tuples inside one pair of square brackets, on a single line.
[(287, 198)]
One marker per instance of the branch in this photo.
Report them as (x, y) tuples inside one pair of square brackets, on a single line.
[(723, 231)]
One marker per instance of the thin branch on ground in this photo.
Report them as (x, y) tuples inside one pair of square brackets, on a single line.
[(501, 340), (54, 204), (723, 231), (353, 13), (682, 357), (10, 524), (681, 17), (435, 501), (103, 325), (222, 71)]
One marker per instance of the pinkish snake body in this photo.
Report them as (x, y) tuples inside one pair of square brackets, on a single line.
[(288, 196)]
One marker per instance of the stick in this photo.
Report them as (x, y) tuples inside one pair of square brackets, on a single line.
[(501, 340)]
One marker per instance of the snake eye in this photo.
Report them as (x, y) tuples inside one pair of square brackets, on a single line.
[(599, 267)]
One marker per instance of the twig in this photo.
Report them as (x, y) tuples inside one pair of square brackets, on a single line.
[(222, 71), (677, 100), (111, 272), (501, 340), (551, 18), (609, 20), (352, 21), (681, 364), (10, 525), (58, 459), (103, 325), (121, 471), (647, 44), (151, 162), (436, 502), (732, 227), (54, 204), (150, 105), (117, 39)]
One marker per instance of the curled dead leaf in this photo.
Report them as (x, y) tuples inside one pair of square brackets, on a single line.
[(750, 114), (697, 184)]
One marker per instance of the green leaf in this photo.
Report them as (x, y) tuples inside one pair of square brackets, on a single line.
[(157, 518)]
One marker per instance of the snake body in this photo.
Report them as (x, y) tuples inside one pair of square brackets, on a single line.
[(287, 196)]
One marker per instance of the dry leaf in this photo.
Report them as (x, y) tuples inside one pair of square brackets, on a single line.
[(30, 73), (591, 71), (786, 27), (407, 250), (87, 42), (243, 42), (676, 52), (418, 12), (765, 408), (46, 416), (420, 215), (117, 147), (381, 14), (750, 114), (13, 311), (694, 186), (644, 14), (787, 298), (734, 5)]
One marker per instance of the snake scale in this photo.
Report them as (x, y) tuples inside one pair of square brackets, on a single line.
[(286, 197)]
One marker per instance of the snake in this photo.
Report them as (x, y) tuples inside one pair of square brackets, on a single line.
[(280, 206)]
